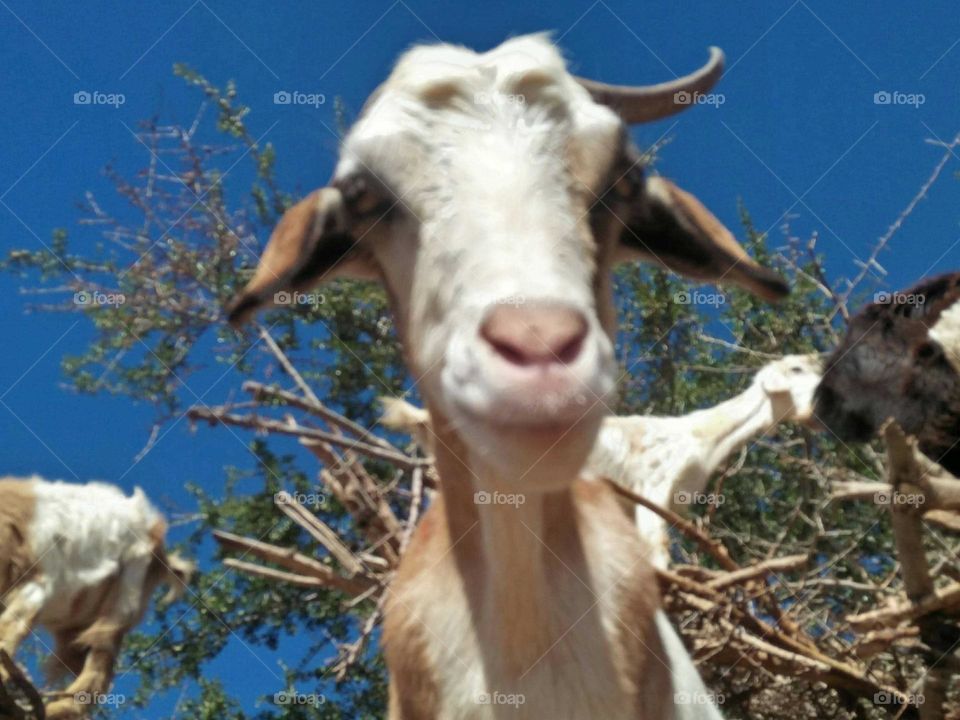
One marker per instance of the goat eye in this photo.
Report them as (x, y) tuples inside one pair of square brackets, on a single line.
[(796, 370), (359, 195), (927, 351)]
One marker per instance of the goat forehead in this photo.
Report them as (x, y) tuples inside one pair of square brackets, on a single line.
[(517, 100), (424, 65)]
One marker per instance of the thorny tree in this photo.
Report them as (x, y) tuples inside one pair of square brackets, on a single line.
[(777, 589)]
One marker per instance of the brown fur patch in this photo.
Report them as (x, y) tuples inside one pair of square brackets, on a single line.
[(17, 510), (404, 640)]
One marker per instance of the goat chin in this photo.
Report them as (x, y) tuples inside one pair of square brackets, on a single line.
[(534, 458)]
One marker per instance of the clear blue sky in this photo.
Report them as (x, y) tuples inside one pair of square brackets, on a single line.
[(799, 132)]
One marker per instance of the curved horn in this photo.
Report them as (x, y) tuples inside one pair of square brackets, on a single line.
[(643, 103)]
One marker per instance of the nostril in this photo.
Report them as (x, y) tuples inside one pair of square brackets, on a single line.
[(535, 334), (571, 350), (507, 351)]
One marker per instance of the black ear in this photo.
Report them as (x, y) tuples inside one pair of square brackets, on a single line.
[(669, 226), (313, 241)]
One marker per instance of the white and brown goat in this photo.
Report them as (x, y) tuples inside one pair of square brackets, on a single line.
[(468, 182), (82, 561)]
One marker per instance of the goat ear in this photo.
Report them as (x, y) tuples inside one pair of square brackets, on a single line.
[(313, 241), (669, 226)]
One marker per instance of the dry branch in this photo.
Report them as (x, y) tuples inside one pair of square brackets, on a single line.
[(223, 416), (946, 599), (305, 570), (761, 569), (319, 531)]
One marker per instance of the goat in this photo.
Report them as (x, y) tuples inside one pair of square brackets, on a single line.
[(81, 561), (900, 358), (491, 193), (669, 460)]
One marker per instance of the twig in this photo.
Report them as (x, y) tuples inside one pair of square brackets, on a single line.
[(303, 567), (319, 531), (784, 564), (898, 223), (711, 546), (259, 390), (221, 415)]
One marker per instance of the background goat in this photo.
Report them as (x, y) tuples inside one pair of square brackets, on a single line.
[(460, 198), (900, 358), (668, 459), (82, 561)]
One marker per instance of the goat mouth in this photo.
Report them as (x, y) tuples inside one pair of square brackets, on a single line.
[(848, 426), (544, 414)]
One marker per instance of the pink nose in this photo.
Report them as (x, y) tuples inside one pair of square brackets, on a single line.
[(535, 334)]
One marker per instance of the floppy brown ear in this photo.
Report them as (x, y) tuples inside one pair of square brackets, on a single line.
[(669, 226), (312, 242)]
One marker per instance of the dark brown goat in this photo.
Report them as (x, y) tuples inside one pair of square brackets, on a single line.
[(900, 359)]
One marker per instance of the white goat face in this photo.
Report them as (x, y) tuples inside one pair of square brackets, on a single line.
[(490, 258), (790, 382), (491, 194)]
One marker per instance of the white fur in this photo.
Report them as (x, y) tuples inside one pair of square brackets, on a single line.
[(947, 333), (83, 534), (664, 458), (486, 187), (692, 699)]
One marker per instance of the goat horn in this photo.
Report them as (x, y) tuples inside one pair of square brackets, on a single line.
[(644, 103)]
